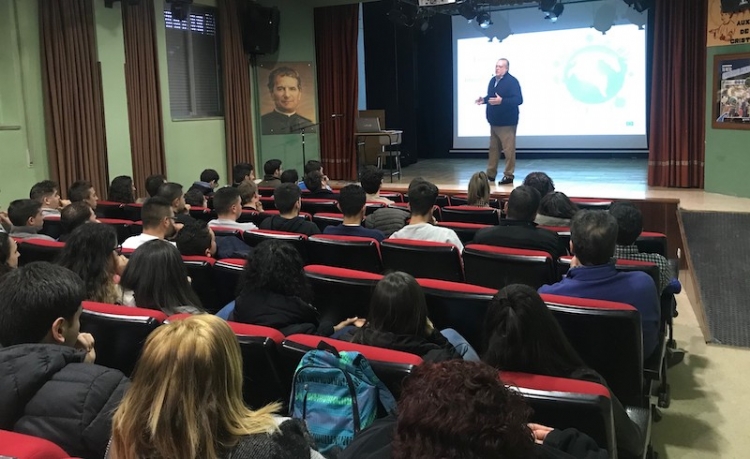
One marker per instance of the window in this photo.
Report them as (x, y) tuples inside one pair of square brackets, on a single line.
[(194, 65)]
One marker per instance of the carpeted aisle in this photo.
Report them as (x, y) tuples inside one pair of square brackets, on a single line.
[(719, 247)]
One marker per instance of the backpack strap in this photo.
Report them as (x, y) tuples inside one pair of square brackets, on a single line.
[(323, 346)]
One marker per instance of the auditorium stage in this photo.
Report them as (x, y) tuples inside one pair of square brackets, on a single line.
[(623, 178)]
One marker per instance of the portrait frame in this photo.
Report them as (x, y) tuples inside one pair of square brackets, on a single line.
[(307, 106), (731, 91)]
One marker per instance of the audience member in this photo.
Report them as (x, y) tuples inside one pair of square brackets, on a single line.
[(555, 209), (541, 182), (228, 207), (317, 186), (209, 180), (479, 190), (50, 386), (8, 254), (250, 196), (191, 370), (352, 205), (592, 274), (26, 217), (629, 227), (271, 174), (371, 179), (47, 193), (287, 200), (518, 230), (83, 190), (275, 293), (196, 239), (156, 278), (289, 176), (153, 182), (92, 252), (460, 409), (122, 190), (172, 192), (242, 173), (313, 165), (422, 197), (157, 217), (398, 320), (388, 220), (520, 334), (195, 198), (73, 216)]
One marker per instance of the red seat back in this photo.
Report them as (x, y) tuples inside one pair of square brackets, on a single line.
[(111, 209), (228, 272), (202, 280), (359, 253), (433, 260), (119, 331), (20, 446), (651, 242), (495, 267), (325, 219), (464, 231), (471, 214), (340, 293), (33, 249)]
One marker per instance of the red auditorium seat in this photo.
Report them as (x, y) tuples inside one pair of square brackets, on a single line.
[(405, 206), (201, 272), (268, 202), (592, 203), (459, 306), (568, 403), (51, 227), (495, 267), (608, 337), (33, 249), (313, 206), (390, 366), (266, 378), (250, 216), (255, 237), (471, 214), (340, 293), (434, 260), (650, 242), (110, 209), (464, 231), (463, 200), (19, 446), (563, 235), (121, 227), (202, 213), (119, 331), (133, 212), (441, 201), (371, 207), (324, 219), (265, 191), (224, 231), (228, 272), (271, 212), (360, 253), (392, 195)]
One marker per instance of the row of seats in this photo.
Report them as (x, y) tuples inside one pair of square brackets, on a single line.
[(269, 360)]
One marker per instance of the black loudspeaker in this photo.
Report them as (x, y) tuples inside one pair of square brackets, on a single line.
[(260, 28)]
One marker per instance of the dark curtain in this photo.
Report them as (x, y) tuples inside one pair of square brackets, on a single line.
[(142, 87), (238, 126), (678, 94), (72, 90), (336, 29)]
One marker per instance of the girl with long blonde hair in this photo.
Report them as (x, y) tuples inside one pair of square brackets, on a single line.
[(479, 190), (186, 402)]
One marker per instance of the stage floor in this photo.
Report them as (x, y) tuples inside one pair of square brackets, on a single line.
[(624, 178)]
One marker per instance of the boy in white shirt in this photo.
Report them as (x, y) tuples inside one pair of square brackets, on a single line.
[(228, 207)]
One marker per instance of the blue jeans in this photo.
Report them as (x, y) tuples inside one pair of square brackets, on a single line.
[(462, 346), (225, 312)]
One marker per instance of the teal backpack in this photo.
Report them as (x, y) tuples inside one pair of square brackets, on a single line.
[(337, 394)]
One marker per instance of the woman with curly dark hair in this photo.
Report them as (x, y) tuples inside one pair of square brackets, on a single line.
[(398, 320), (122, 190), (462, 410), (91, 251), (520, 334), (275, 293), (555, 209), (8, 254)]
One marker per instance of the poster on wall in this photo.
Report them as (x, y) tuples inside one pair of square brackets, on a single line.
[(732, 91), (287, 98), (728, 22)]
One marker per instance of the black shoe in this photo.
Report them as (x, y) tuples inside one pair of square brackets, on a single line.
[(507, 179)]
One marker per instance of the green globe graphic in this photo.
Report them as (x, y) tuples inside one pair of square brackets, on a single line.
[(595, 74)]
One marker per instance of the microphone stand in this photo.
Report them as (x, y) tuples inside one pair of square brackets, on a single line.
[(304, 128)]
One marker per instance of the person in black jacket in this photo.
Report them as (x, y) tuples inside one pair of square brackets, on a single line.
[(287, 198), (502, 100), (518, 311), (462, 409), (49, 386), (275, 293), (398, 320)]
